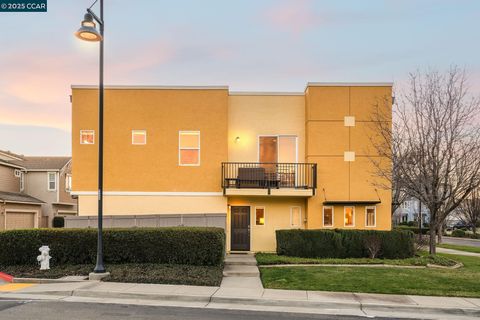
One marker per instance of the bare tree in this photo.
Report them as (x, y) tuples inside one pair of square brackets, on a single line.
[(385, 149), (435, 143), (373, 244), (469, 211)]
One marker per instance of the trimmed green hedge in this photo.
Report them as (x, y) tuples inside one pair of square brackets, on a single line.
[(189, 246), (425, 230), (396, 244)]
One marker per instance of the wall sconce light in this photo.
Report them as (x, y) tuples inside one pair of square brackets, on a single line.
[(237, 139)]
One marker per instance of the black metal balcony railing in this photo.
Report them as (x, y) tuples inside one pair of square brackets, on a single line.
[(264, 175)]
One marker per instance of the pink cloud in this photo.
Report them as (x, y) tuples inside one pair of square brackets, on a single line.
[(292, 16), (35, 91)]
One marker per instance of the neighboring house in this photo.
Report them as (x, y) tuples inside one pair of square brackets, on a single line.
[(17, 210), (256, 162), (47, 180), (408, 212)]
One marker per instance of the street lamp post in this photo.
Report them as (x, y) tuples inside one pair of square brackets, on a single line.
[(88, 32)]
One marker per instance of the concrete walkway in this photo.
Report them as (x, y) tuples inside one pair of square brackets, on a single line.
[(458, 252), (240, 274), (461, 241), (250, 297)]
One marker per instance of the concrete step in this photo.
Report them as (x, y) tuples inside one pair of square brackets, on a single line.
[(240, 271), (243, 260)]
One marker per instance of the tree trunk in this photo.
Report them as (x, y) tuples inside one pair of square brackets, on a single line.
[(433, 244), (440, 233)]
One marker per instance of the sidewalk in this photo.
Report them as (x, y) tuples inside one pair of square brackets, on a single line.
[(339, 303), (458, 252)]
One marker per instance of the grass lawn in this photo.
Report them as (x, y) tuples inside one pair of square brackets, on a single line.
[(139, 273), (461, 248), (423, 260), (436, 282)]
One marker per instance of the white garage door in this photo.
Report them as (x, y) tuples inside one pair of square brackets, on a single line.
[(20, 220)]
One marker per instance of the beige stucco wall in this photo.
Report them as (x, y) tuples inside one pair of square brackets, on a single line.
[(36, 185), (250, 116), (129, 205), (277, 216)]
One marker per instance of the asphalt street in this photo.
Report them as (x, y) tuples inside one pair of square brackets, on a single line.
[(461, 242), (53, 310)]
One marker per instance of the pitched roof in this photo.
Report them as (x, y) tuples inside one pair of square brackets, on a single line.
[(18, 197), (8, 155), (43, 163)]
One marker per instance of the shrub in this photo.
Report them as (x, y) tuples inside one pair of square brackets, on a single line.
[(459, 233), (189, 246), (415, 230), (58, 222), (344, 243)]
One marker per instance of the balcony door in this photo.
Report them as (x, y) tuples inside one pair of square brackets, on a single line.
[(282, 151), (277, 149)]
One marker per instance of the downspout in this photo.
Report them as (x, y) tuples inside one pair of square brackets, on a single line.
[(3, 211)]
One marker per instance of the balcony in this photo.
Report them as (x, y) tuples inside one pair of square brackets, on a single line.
[(264, 179)]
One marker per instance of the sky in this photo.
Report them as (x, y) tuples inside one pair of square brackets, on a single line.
[(249, 45)]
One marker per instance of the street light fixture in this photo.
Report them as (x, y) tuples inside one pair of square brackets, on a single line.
[(88, 32)]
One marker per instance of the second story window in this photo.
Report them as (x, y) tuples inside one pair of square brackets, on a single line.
[(68, 182), (87, 136), (52, 181), (139, 137), (189, 148)]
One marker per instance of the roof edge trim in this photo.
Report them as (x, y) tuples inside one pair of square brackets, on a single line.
[(129, 87)]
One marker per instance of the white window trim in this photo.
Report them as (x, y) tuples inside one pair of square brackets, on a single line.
[(345, 214), (87, 131), (278, 144), (264, 216), (374, 214), (48, 181), (139, 131), (323, 216), (300, 217), (68, 181), (199, 149), (22, 181)]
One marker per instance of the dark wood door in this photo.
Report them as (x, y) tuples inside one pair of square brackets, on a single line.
[(240, 234)]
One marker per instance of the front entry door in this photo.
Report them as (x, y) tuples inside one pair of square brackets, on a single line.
[(240, 235)]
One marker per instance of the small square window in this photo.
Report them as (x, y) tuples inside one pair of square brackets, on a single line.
[(189, 148), (349, 216), (328, 216), (87, 136), (260, 216), (139, 137), (370, 218)]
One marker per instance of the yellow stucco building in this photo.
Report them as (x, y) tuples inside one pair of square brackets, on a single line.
[(258, 161)]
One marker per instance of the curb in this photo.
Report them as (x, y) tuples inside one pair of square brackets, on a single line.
[(473, 312), (138, 296), (43, 280), (379, 265), (6, 277), (246, 302)]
